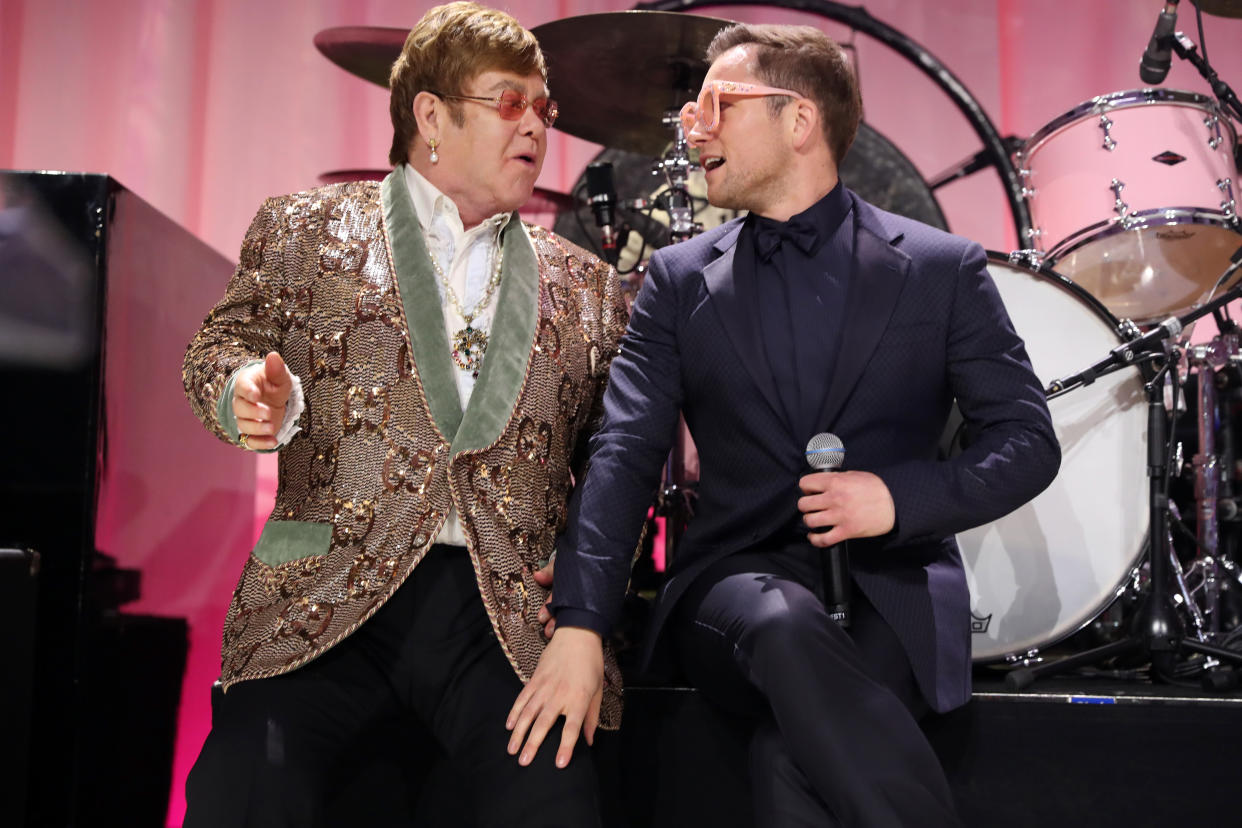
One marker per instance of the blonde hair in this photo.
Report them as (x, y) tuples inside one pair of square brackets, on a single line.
[(450, 45)]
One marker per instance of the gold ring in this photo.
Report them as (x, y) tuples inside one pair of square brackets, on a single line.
[(241, 441)]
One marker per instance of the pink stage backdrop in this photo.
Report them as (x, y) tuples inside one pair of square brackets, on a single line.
[(204, 108)]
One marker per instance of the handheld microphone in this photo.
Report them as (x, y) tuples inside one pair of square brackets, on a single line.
[(1154, 65), (826, 452), (602, 196)]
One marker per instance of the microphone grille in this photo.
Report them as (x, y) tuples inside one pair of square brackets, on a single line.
[(825, 451)]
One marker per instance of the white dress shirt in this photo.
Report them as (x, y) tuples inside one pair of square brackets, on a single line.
[(466, 257)]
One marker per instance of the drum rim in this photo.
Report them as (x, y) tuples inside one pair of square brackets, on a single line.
[(1147, 219), (1142, 220), (1126, 99), (1011, 656), (1045, 269)]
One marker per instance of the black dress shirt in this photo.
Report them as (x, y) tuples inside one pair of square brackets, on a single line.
[(802, 269)]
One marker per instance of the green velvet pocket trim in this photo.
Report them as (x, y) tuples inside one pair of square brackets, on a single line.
[(287, 540), (420, 297)]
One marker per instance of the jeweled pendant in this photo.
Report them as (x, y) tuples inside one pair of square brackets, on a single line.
[(469, 343)]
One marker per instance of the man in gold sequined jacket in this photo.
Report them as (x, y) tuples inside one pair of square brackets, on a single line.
[(427, 367)]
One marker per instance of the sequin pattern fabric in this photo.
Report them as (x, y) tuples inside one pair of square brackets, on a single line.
[(316, 282)]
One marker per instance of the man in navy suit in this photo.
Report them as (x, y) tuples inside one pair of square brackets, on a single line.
[(817, 312)]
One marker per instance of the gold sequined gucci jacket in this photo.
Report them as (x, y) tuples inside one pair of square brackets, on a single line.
[(338, 280)]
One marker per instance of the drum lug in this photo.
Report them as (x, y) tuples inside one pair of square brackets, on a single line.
[(1212, 122), (1106, 125), (1120, 207), (1034, 234), (1028, 192), (1024, 173), (1229, 204)]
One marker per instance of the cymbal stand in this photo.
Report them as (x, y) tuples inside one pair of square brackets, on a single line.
[(1214, 570), (676, 166), (674, 502), (1205, 359), (1181, 577), (1158, 630)]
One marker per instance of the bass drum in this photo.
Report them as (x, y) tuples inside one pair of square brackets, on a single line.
[(1048, 569)]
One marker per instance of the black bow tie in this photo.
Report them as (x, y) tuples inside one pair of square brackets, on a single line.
[(770, 234)]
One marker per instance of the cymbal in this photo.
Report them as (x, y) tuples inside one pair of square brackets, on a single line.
[(365, 51), (615, 74), (1221, 8)]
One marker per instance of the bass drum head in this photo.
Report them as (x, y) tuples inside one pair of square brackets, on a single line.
[(1049, 568), (874, 168)]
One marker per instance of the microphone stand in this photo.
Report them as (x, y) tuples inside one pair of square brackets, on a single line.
[(1141, 348), (1158, 630), (1186, 50), (677, 495)]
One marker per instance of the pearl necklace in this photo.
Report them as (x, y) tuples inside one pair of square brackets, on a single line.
[(469, 343)]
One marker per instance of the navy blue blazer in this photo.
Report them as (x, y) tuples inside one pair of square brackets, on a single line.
[(924, 325)]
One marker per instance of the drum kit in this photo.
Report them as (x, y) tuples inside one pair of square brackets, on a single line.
[(1134, 234)]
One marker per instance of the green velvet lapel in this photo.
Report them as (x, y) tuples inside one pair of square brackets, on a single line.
[(508, 347), (416, 282)]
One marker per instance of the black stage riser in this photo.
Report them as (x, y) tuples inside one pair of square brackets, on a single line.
[(1022, 761)]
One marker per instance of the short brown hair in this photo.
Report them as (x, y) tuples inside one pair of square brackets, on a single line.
[(450, 45), (806, 60)]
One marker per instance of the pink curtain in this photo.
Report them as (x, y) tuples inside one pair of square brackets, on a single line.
[(204, 108)]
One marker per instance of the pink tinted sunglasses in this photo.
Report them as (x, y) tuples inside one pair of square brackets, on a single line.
[(512, 104), (705, 112)]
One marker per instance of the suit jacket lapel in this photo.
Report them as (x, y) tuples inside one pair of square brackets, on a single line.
[(731, 284), (509, 344), (420, 298), (877, 277)]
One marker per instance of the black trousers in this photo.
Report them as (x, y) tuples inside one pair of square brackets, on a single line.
[(836, 739), (277, 745)]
